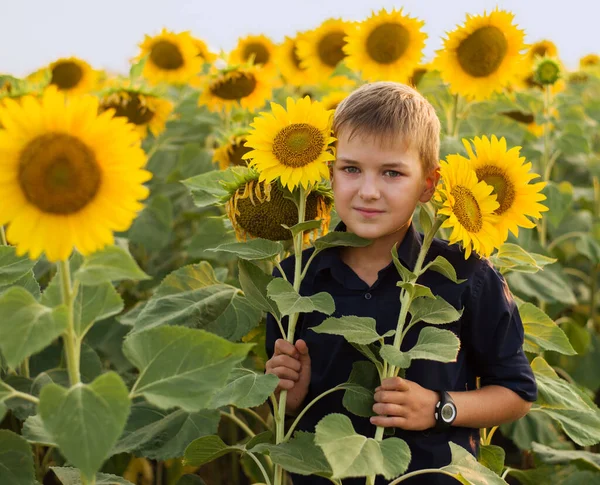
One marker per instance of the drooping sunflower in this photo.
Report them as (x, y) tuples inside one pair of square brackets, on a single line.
[(258, 209), (229, 153), (386, 47), (257, 49), (589, 61), (469, 205), (203, 51), (70, 176), (291, 143), (331, 100), (320, 50), (172, 58), (510, 177), (248, 87), (541, 48), (141, 107), (482, 56), (70, 75), (289, 64)]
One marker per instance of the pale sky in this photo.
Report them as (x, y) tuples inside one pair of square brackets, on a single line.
[(106, 33)]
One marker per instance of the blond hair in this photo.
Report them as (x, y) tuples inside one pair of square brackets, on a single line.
[(388, 111)]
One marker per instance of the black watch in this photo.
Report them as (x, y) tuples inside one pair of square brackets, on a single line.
[(445, 411)]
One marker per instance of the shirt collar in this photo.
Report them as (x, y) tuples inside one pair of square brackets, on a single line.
[(408, 251)]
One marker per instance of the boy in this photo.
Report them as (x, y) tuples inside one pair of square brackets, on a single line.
[(387, 160)]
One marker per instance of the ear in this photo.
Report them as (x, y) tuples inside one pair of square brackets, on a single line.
[(429, 184)]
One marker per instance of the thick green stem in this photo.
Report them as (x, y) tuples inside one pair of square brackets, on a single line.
[(71, 342), (546, 158), (3, 236), (260, 466), (239, 422), (420, 472)]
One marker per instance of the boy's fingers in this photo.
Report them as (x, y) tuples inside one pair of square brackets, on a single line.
[(286, 384), (285, 361), (284, 347), (302, 347), (394, 384), (286, 373)]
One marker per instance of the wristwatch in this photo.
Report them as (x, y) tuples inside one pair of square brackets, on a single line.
[(445, 411)]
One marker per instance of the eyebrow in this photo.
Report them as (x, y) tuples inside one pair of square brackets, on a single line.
[(398, 164)]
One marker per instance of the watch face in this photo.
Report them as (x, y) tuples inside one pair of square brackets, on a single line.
[(448, 413)]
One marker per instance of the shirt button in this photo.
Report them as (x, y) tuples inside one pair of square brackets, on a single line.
[(368, 296)]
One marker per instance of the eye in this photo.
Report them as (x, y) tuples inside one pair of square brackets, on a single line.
[(392, 173), (350, 169)]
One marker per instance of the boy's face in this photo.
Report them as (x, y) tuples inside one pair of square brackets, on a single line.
[(376, 188)]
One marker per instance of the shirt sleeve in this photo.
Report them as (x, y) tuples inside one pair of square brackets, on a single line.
[(495, 335)]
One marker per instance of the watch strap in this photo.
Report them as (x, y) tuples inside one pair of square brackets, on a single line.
[(445, 398)]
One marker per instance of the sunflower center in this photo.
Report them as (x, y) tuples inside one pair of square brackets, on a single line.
[(133, 108), (540, 50), (482, 52), (417, 75), (503, 187), (330, 48), (519, 116), (234, 88), (166, 55), (237, 151), (298, 144), (58, 173), (259, 51), (388, 42), (66, 75), (467, 209)]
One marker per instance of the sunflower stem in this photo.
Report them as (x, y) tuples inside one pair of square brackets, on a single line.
[(71, 342), (546, 157), (3, 236)]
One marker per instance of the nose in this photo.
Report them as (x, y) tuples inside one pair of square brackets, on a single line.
[(368, 189)]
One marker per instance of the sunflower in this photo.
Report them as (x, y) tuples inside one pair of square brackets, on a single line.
[(141, 108), (255, 49), (331, 100), (70, 176), (469, 205), (248, 87), (321, 49), (71, 75), (258, 209), (591, 60), (202, 50), (292, 145), (483, 56), (230, 152), (509, 176), (172, 58), (541, 48), (288, 62), (526, 119), (417, 74), (386, 46)]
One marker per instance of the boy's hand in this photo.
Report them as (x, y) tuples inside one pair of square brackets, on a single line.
[(291, 363), (404, 404)]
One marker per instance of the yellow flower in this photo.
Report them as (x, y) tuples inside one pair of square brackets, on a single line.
[(321, 50), (71, 75), (248, 87), (483, 56), (509, 176), (469, 205), (258, 209), (203, 52), (69, 176), (541, 48), (331, 101), (417, 74), (292, 144), (172, 58), (258, 49), (142, 109), (289, 65), (230, 153), (386, 46), (591, 60)]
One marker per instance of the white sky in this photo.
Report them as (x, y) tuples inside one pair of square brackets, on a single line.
[(106, 33)]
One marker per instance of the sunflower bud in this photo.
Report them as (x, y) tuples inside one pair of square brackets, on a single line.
[(546, 71)]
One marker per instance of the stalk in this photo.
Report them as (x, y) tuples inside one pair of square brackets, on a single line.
[(3, 236), (71, 342), (546, 157)]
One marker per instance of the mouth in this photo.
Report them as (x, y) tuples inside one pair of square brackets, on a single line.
[(367, 212)]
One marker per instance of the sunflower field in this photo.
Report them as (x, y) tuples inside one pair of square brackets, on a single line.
[(144, 219)]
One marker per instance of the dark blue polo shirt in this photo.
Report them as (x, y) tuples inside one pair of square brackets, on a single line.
[(490, 331)]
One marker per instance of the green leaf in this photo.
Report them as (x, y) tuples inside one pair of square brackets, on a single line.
[(588, 246), (16, 460), (579, 336), (110, 264), (559, 199), (254, 282), (425, 220), (13, 267), (437, 311), (549, 286), (181, 367), (161, 435), (513, 257), (339, 238), (584, 460), (34, 432), (395, 357), (467, 470), (211, 188), (300, 455), (303, 227), (354, 455), (432, 344), (86, 420), (210, 232), (71, 476), (136, 69), (406, 274), (554, 475), (572, 144), (370, 352), (358, 399), (289, 301), (191, 480), (152, 228), (358, 330), (541, 333), (535, 427), (492, 457), (252, 250), (26, 326), (28, 282), (245, 389), (416, 290), (442, 265), (206, 449)]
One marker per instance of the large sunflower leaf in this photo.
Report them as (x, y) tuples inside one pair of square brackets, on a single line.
[(253, 250), (254, 282), (465, 468), (16, 460), (211, 188), (541, 333), (245, 389), (435, 311), (86, 420), (181, 367), (13, 267), (359, 397), (72, 476), (358, 330), (340, 238), (289, 301), (112, 263)]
